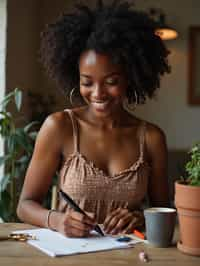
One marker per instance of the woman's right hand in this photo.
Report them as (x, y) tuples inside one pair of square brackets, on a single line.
[(75, 224)]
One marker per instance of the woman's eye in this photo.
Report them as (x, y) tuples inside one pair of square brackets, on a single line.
[(86, 84), (112, 82)]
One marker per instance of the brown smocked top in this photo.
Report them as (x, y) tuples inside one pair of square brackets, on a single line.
[(95, 191)]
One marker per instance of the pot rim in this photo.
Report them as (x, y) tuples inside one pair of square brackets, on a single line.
[(180, 183)]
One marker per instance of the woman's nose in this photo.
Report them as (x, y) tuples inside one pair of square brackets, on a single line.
[(98, 91)]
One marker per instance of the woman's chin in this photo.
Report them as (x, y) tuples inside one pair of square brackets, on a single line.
[(101, 112)]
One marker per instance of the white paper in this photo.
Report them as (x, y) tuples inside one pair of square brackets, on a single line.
[(55, 244)]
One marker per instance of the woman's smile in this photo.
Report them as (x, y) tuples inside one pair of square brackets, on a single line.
[(100, 105)]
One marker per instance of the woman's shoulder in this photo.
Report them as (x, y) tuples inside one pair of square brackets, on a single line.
[(58, 123), (154, 136), (153, 131)]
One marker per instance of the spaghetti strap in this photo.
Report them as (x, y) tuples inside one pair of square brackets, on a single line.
[(75, 129), (142, 139)]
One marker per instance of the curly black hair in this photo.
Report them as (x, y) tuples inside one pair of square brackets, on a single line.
[(126, 35)]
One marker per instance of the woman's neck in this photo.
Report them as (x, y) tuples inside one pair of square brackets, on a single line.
[(116, 119)]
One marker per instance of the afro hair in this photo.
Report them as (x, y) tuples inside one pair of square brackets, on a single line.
[(125, 34)]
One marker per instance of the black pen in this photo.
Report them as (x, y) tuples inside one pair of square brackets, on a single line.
[(78, 209)]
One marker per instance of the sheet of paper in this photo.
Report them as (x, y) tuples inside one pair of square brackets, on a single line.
[(54, 244)]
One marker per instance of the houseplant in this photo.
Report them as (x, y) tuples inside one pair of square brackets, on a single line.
[(18, 147), (187, 201)]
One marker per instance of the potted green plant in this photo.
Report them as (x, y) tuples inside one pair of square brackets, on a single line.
[(18, 147), (187, 201)]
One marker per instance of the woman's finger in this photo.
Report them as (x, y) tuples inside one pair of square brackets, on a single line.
[(110, 217), (137, 220), (75, 224), (91, 215), (79, 225), (85, 219), (129, 229), (114, 220), (72, 231), (122, 223)]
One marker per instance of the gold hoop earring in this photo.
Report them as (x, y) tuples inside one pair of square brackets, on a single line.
[(71, 96), (131, 107), (136, 98)]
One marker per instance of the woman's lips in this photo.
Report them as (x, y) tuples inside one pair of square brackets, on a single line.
[(101, 105)]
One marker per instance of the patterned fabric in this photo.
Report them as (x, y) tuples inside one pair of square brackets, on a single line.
[(95, 191)]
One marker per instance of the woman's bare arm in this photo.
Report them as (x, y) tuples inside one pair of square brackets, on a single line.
[(46, 158), (43, 165), (157, 153)]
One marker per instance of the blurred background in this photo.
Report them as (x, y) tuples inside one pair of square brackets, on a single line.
[(176, 107)]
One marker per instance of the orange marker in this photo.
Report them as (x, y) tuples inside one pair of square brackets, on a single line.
[(138, 234)]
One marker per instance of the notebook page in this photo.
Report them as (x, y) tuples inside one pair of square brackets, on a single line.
[(55, 244)]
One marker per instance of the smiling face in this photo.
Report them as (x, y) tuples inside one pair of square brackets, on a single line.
[(103, 84)]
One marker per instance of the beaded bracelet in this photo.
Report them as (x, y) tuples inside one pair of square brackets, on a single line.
[(47, 218)]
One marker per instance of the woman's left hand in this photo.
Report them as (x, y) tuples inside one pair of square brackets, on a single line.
[(123, 221)]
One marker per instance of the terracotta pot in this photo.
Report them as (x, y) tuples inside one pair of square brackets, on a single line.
[(187, 201)]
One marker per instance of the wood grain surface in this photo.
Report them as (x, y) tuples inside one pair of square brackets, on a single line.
[(21, 254)]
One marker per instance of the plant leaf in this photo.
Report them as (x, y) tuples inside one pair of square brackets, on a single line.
[(23, 159), (33, 135), (18, 98), (7, 99), (23, 140), (27, 127), (5, 180), (3, 159), (192, 167), (5, 211)]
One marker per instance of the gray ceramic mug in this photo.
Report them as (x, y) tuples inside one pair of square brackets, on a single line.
[(160, 224)]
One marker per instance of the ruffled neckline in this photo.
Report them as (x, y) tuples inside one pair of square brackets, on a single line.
[(91, 164)]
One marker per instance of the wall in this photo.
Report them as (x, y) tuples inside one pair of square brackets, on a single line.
[(22, 64), (170, 110), (2, 60), (22, 44)]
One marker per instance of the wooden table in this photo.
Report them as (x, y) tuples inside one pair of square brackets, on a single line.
[(22, 254)]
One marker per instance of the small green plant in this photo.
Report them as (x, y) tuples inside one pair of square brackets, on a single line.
[(192, 167), (18, 148)]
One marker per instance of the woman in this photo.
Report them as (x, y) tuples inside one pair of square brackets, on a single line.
[(109, 160)]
